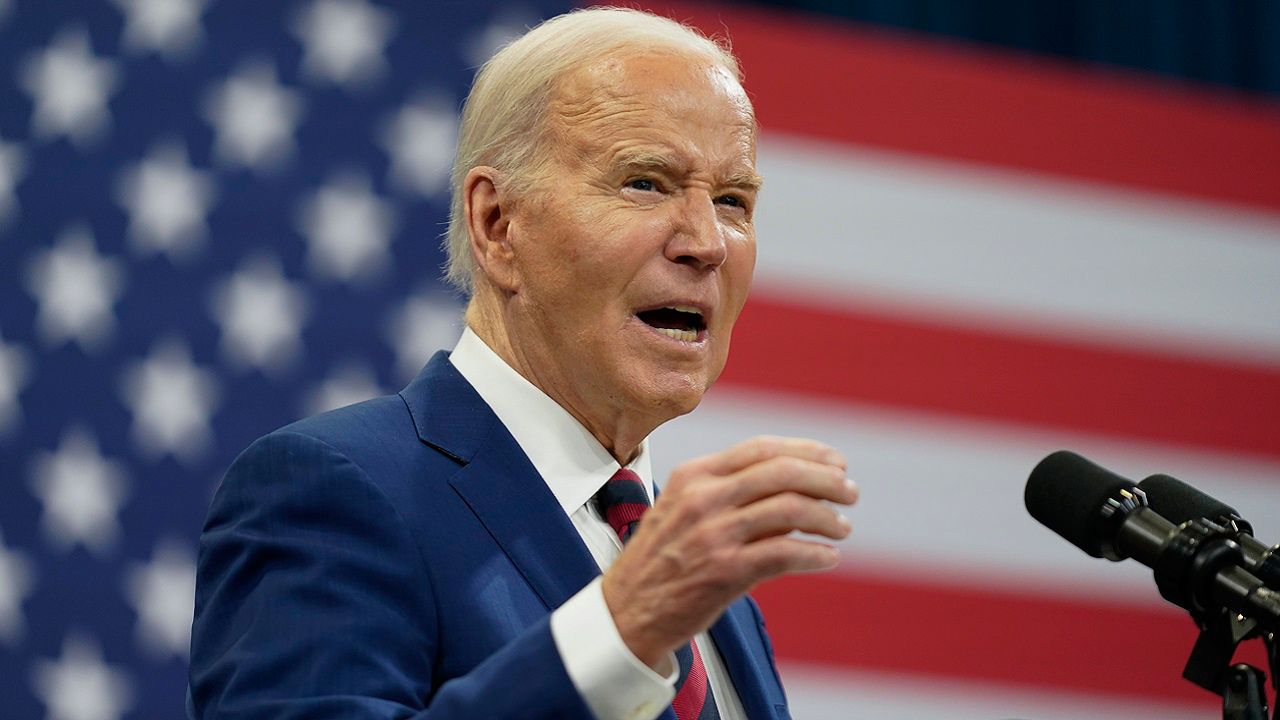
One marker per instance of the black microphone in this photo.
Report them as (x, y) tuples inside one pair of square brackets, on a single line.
[(1180, 502), (1196, 563)]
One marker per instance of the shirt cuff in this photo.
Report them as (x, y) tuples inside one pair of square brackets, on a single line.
[(615, 684)]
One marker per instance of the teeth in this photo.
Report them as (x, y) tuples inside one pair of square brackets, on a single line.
[(685, 308), (681, 335)]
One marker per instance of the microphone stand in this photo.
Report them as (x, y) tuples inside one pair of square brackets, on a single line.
[(1242, 686)]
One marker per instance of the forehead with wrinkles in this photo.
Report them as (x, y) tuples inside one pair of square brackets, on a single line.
[(633, 89)]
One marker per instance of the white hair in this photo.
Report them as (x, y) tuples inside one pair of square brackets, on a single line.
[(506, 111)]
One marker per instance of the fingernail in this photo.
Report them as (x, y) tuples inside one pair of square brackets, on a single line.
[(844, 521), (850, 485)]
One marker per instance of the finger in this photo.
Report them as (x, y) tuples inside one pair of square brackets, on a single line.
[(791, 474), (765, 447), (780, 555), (782, 514)]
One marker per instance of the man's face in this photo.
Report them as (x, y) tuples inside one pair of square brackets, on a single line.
[(635, 250)]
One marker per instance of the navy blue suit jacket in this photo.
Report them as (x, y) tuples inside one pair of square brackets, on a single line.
[(400, 558)]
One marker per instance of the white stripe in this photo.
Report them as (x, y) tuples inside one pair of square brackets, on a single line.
[(942, 498), (1017, 249), (816, 693)]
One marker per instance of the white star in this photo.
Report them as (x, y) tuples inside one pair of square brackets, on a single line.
[(74, 288), (347, 384), (511, 23), (344, 41), (254, 117), (425, 323), (14, 373), (348, 230), (167, 201), (163, 594), (171, 400), (70, 88), (169, 27), (12, 167), (79, 685), (81, 492), (16, 579), (420, 139), (261, 315)]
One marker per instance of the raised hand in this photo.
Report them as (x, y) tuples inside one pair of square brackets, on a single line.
[(722, 525)]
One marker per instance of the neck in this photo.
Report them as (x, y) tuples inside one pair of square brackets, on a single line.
[(618, 431)]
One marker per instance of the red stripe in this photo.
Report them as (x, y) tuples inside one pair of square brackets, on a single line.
[(693, 693), (843, 82), (869, 621), (869, 357), (624, 475), (623, 514)]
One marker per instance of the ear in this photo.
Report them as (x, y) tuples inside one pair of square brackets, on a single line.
[(488, 212)]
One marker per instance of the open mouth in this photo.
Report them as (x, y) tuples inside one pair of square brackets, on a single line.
[(680, 322)]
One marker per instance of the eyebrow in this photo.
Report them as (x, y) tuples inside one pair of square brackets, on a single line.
[(659, 162), (745, 180), (645, 160)]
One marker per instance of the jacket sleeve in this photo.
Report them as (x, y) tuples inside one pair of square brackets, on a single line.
[(313, 601)]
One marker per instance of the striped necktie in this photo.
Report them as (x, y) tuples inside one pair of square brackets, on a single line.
[(621, 502)]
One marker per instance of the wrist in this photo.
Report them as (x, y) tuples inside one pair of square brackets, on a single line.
[(632, 632)]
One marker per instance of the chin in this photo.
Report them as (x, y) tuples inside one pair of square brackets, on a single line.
[(675, 397)]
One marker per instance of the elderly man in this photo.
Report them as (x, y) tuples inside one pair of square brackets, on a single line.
[(437, 553)]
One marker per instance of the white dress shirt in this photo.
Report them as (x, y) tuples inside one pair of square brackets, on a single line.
[(615, 684)]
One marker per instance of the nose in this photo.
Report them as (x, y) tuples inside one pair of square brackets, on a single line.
[(699, 238)]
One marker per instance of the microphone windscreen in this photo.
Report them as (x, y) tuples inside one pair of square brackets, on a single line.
[(1178, 502), (1066, 492)]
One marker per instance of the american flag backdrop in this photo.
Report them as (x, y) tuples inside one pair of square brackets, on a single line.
[(216, 218)]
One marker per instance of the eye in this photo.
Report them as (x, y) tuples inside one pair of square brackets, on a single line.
[(643, 185), (736, 201)]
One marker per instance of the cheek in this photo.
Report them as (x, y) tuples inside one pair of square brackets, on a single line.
[(738, 271), (622, 249), (745, 244), (573, 259), (559, 253)]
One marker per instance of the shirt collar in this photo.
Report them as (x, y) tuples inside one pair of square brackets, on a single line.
[(568, 457)]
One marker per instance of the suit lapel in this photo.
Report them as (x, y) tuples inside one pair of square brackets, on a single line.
[(750, 676), (499, 484), (517, 508)]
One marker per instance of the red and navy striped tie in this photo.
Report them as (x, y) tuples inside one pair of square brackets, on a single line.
[(621, 502)]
